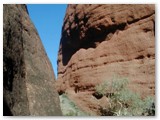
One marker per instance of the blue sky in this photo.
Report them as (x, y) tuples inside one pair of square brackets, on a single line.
[(48, 20)]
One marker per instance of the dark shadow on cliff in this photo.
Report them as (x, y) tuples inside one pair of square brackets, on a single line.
[(71, 44), (8, 73), (67, 51), (6, 110)]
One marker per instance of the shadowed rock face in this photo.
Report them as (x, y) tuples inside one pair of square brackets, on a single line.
[(99, 41), (28, 83)]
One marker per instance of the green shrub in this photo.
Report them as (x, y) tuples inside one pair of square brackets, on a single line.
[(123, 101), (71, 113), (69, 108)]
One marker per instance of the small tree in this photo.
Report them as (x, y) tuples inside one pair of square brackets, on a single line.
[(123, 101)]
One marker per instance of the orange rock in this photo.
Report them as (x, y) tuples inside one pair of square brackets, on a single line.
[(99, 41)]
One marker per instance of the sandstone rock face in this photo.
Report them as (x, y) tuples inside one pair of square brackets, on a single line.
[(99, 41), (28, 84)]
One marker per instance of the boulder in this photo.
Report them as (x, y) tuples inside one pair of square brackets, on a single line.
[(29, 81)]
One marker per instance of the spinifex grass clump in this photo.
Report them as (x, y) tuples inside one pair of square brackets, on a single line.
[(122, 101)]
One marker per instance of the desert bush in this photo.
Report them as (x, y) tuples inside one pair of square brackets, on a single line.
[(122, 101), (69, 108)]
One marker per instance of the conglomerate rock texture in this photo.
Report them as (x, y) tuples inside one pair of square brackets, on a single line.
[(28, 83), (100, 41)]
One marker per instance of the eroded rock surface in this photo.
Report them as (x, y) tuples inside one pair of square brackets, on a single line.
[(28, 83), (100, 41)]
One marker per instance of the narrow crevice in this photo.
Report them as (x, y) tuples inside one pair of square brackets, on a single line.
[(138, 19), (148, 55), (97, 96), (61, 92), (8, 37), (154, 27), (140, 57)]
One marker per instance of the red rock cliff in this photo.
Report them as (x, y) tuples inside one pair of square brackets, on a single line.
[(99, 41)]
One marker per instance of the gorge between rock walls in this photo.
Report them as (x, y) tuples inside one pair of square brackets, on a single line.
[(98, 41)]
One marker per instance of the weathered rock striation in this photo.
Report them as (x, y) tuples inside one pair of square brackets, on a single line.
[(99, 41), (28, 83)]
